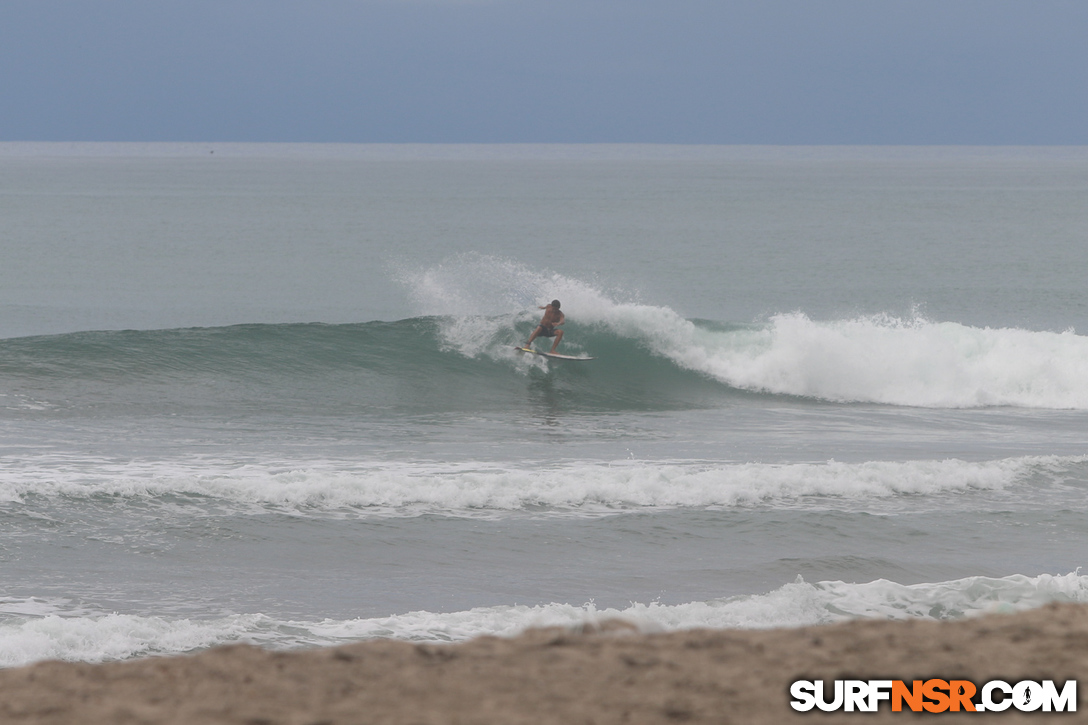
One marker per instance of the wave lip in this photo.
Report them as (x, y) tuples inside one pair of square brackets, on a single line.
[(102, 637)]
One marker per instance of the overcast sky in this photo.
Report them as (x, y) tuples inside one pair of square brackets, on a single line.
[(663, 71)]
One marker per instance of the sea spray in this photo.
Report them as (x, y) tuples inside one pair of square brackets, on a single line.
[(887, 359)]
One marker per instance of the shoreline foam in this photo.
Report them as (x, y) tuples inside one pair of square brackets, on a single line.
[(608, 675)]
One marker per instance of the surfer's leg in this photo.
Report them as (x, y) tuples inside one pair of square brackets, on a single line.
[(532, 337), (558, 337)]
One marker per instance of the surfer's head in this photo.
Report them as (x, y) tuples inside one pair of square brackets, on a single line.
[(555, 304)]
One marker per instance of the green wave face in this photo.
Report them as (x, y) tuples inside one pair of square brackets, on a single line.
[(647, 359), (408, 367)]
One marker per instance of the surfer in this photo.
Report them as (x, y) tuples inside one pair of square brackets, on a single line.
[(552, 319)]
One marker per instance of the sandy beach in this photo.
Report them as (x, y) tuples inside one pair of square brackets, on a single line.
[(606, 674)]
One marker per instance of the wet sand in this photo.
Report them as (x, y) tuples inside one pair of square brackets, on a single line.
[(608, 675)]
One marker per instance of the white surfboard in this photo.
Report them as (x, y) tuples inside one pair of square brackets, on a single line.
[(552, 355)]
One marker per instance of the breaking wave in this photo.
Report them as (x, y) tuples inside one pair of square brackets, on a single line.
[(490, 489), (459, 355), (32, 630)]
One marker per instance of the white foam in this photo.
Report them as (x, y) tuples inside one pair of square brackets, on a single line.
[(886, 359), (877, 359), (111, 637), (467, 489), (116, 636), (908, 361)]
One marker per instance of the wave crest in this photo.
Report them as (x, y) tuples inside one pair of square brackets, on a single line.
[(482, 489)]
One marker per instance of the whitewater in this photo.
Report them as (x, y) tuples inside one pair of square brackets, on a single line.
[(296, 417), (881, 358)]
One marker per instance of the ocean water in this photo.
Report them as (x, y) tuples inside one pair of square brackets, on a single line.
[(268, 393)]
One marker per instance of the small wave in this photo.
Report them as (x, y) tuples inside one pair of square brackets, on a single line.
[(796, 604), (104, 637), (479, 489), (98, 638)]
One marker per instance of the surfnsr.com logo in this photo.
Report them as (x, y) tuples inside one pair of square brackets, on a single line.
[(934, 696)]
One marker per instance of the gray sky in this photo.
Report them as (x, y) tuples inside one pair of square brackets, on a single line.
[(664, 71)]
